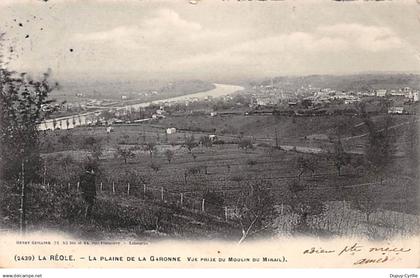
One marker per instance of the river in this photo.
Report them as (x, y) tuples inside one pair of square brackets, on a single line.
[(73, 121)]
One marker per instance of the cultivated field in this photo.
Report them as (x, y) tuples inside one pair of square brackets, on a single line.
[(209, 181)]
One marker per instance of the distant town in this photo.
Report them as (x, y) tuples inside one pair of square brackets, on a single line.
[(251, 99)]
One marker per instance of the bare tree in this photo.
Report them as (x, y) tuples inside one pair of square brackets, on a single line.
[(205, 141), (94, 146), (154, 166), (367, 200), (150, 147), (190, 144), (245, 144), (412, 146), (169, 155), (304, 164), (304, 204), (124, 154), (256, 210), (380, 147), (339, 156)]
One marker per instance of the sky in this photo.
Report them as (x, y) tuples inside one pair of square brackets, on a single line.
[(210, 39)]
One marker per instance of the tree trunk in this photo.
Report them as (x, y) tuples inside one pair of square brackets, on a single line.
[(23, 201)]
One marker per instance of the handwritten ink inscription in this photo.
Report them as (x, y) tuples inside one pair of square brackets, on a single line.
[(368, 255)]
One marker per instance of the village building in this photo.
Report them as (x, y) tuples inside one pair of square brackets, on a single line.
[(171, 130)]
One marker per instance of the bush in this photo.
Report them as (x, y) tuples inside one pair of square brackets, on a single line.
[(57, 206), (245, 144), (251, 162), (219, 142), (44, 204)]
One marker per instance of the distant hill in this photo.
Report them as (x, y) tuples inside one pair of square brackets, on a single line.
[(114, 89), (348, 82)]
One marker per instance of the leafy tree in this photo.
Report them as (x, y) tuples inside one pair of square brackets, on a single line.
[(24, 103)]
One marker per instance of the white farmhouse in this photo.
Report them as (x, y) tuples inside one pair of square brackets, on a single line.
[(396, 110), (171, 130), (381, 93)]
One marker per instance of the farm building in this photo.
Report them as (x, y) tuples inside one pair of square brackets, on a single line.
[(396, 110), (171, 130), (109, 129), (213, 137), (381, 93)]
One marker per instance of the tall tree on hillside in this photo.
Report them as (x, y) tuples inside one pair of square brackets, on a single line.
[(380, 146), (412, 145), (24, 104), (339, 156)]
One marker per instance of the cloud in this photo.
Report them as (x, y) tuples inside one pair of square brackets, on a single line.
[(167, 41), (121, 36), (324, 48), (370, 38), (165, 28)]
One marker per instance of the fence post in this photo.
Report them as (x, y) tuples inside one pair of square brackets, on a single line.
[(226, 214), (128, 188), (68, 186), (282, 209), (182, 199), (101, 187), (202, 204), (161, 193), (113, 187), (78, 185), (144, 190)]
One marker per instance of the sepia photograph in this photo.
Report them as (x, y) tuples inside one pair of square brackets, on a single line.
[(135, 124)]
